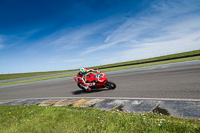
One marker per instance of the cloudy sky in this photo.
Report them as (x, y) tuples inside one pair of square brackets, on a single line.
[(47, 35)]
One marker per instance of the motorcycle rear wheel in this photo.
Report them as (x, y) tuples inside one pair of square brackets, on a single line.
[(110, 85)]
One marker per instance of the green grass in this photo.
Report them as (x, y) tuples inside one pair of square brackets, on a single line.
[(23, 75), (38, 79), (37, 119)]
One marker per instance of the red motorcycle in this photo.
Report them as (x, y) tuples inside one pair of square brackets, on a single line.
[(100, 79)]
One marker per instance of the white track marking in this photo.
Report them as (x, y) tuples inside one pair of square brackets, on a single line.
[(116, 98)]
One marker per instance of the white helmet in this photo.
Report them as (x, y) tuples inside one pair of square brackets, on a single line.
[(83, 69)]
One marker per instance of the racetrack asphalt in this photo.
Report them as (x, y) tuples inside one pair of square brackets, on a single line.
[(176, 82)]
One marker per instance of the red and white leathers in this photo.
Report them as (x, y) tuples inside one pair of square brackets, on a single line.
[(81, 78)]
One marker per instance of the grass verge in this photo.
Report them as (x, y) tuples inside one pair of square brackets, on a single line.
[(75, 119), (24, 75), (38, 79), (105, 70)]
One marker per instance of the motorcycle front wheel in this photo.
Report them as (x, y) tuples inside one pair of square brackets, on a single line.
[(110, 85)]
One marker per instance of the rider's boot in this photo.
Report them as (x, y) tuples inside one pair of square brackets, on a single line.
[(87, 88)]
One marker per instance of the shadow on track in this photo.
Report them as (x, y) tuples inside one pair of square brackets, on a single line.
[(79, 92)]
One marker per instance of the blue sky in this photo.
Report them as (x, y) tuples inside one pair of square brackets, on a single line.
[(48, 35)]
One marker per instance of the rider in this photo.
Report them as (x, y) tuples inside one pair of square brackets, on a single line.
[(81, 74)]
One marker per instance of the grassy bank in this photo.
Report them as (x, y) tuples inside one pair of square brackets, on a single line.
[(23, 75), (70, 119), (38, 79)]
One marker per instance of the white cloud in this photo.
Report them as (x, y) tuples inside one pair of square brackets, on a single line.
[(92, 49), (1, 46), (161, 48), (73, 60), (167, 27), (70, 40), (176, 7), (85, 35)]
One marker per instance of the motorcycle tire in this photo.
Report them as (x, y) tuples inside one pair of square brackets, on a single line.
[(110, 85)]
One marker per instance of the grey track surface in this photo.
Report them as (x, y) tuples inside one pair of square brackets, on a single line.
[(178, 81)]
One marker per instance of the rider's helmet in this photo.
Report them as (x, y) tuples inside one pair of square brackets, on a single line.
[(82, 70)]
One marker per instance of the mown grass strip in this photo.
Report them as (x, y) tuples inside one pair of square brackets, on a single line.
[(38, 79), (23, 75), (38, 119)]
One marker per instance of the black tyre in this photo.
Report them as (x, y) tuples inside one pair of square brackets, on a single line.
[(110, 85)]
